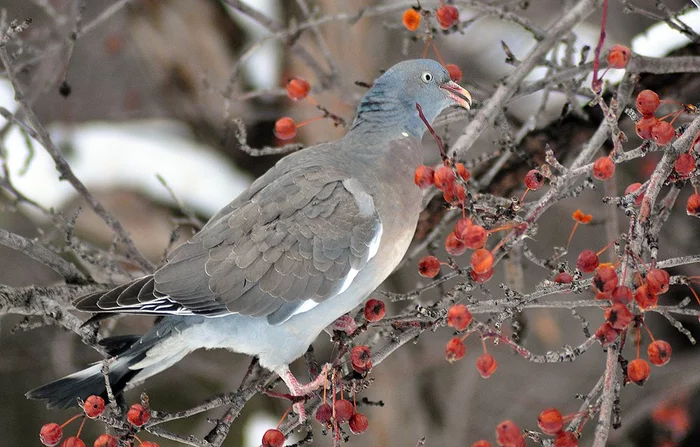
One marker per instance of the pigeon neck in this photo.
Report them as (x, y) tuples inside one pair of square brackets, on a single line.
[(387, 117)]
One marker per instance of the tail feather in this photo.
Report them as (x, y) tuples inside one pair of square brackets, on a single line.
[(63, 393), (136, 358)]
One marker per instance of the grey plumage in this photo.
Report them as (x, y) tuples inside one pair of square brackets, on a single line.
[(304, 244)]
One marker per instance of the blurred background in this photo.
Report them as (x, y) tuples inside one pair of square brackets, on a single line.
[(151, 87)]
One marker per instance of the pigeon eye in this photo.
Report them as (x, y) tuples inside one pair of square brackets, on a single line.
[(426, 77)]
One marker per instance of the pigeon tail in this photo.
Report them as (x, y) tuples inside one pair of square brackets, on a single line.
[(63, 393)]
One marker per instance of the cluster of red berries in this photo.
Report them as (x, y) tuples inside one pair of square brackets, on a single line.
[(93, 407), (649, 126), (618, 316), (447, 16), (466, 234), (445, 180), (342, 411), (459, 318)]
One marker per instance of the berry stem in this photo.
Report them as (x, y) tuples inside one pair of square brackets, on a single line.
[(571, 235), (599, 47), (284, 416), (72, 419), (443, 154), (644, 323), (80, 429)]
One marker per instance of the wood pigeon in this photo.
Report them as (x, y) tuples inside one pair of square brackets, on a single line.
[(306, 243)]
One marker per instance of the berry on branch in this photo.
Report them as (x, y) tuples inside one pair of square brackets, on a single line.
[(285, 128), (374, 310), (447, 16), (603, 168), (459, 317), (358, 423), (647, 102), (50, 434), (659, 352), (297, 88), (429, 266), (138, 415), (273, 438), (343, 410), (619, 56), (424, 176), (638, 371), (455, 349), (411, 19)]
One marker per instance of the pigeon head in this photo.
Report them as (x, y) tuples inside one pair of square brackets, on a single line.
[(389, 107)]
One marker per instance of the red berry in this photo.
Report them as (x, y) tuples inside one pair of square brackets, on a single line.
[(444, 177), (684, 164), (343, 410), (644, 125), (486, 365), (647, 102), (138, 415), (454, 195), (50, 434), (447, 16), (411, 19), (550, 421), (603, 168), (606, 334), (508, 434), (424, 176), (605, 279), (566, 439), (454, 246), (455, 72), (374, 310), (621, 294), (455, 349), (659, 352), (459, 317), (662, 132), (638, 371), (297, 88), (481, 260), (285, 128), (462, 171), (358, 423), (105, 440), (534, 179), (482, 277), (429, 266), (563, 278), (461, 227), (587, 261), (324, 413), (361, 359), (94, 406), (73, 441), (149, 444), (481, 443), (644, 298), (475, 236), (658, 281), (632, 188), (619, 56), (273, 438), (692, 206), (619, 316)]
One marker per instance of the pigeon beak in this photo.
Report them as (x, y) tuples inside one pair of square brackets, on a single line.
[(459, 94)]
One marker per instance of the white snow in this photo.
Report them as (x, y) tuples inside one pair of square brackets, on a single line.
[(660, 39), (125, 155)]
